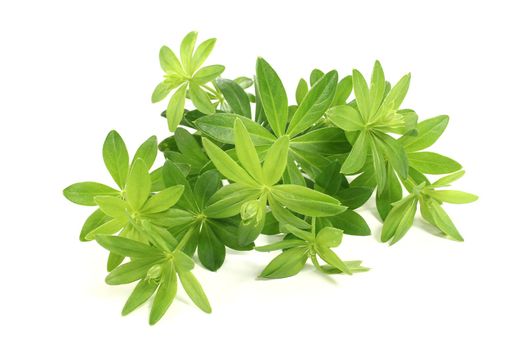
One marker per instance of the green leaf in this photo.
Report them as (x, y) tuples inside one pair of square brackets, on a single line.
[(362, 94), (202, 52), (331, 258), (395, 97), (301, 91), (138, 187), (357, 157), (379, 163), (307, 236), (391, 194), (165, 294), (186, 51), (96, 219), (286, 264), (175, 110), (147, 152), (163, 200), (306, 201), (226, 165), (211, 250), (275, 161), (428, 132), (128, 247), (220, 127), (116, 158), (329, 237), (84, 193), (237, 99), (246, 152), (324, 140), (113, 206), (227, 201), (442, 221), (200, 99), (194, 290), (141, 293), (281, 245), (162, 90), (351, 223), (353, 267), (345, 117), (451, 196), (206, 185), (377, 87), (131, 271), (447, 180), (343, 91), (432, 163), (284, 216), (395, 153), (315, 75), (272, 95), (108, 228), (169, 62), (207, 74), (314, 105), (173, 176), (399, 220)]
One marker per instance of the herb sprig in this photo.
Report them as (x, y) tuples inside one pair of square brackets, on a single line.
[(242, 160)]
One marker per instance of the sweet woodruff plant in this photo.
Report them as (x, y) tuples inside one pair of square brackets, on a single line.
[(243, 159)]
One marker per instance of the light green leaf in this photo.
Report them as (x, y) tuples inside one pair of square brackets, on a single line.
[(113, 206), (194, 290), (432, 163), (395, 97), (173, 176), (362, 94), (343, 91), (128, 247), (272, 95), (357, 157), (116, 158), (131, 271), (379, 163), (227, 201), (377, 87), (391, 194), (108, 228), (428, 132), (395, 153), (186, 51), (314, 105), (138, 187), (246, 152), (95, 220), (284, 244), (329, 237), (147, 152), (162, 90), (141, 293), (275, 161), (207, 74), (175, 110), (331, 258), (328, 140), (163, 200), (399, 220), (227, 166), (219, 126), (84, 193), (286, 264), (169, 62), (200, 99), (284, 216), (441, 220), (447, 180), (306, 201), (307, 236), (345, 117), (301, 91), (451, 196), (202, 52), (165, 294), (353, 267)]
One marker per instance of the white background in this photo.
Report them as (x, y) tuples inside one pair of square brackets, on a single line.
[(70, 71)]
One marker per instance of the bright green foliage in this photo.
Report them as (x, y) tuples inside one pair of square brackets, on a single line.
[(243, 159)]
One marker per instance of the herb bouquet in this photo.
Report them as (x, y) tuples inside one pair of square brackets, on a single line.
[(232, 172)]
